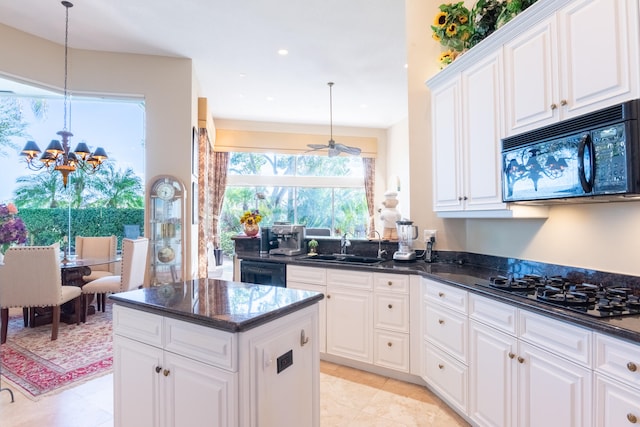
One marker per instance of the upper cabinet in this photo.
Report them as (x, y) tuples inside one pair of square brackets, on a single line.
[(580, 59), (558, 59)]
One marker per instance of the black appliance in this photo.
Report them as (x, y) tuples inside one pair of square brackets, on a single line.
[(586, 298), (268, 240), (263, 273), (594, 157)]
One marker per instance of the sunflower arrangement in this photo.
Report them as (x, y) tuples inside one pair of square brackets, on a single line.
[(251, 217), (451, 27)]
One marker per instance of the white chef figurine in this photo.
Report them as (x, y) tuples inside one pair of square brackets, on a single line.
[(389, 215)]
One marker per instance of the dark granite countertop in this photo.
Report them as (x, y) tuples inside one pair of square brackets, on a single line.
[(474, 278), (219, 304)]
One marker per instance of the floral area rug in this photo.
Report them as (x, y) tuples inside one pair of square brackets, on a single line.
[(38, 366)]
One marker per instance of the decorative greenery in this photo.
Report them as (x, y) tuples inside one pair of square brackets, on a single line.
[(451, 26), (458, 29), (12, 228), (251, 217)]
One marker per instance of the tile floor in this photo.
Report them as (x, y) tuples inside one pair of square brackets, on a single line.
[(349, 397)]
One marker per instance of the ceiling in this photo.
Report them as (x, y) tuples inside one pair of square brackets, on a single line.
[(358, 44)]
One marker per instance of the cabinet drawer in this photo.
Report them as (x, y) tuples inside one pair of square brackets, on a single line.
[(315, 276), (391, 350), (619, 359), (448, 330), (568, 341), (444, 295), (616, 404), (493, 313), (447, 376), (137, 325), (352, 279), (391, 282), (204, 344), (391, 311)]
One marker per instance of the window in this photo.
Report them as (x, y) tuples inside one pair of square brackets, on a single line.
[(317, 191)]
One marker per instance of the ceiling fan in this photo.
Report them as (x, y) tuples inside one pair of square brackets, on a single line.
[(334, 148)]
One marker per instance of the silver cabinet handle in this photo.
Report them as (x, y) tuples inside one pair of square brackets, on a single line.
[(304, 339)]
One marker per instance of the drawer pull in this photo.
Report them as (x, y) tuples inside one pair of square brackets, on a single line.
[(158, 369), (390, 283), (632, 366), (520, 359), (441, 294), (563, 102), (390, 306), (440, 321), (511, 355), (304, 339), (328, 296), (389, 344), (166, 372), (440, 366), (632, 418), (553, 106)]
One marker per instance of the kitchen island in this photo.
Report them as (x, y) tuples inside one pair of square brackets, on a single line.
[(216, 353)]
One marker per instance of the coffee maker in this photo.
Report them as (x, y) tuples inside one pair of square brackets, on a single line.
[(407, 232), (290, 238), (267, 240)]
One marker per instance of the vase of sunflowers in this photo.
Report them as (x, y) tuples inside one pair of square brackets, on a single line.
[(250, 221)]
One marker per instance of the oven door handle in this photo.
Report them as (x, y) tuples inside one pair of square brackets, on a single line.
[(257, 270), (587, 183)]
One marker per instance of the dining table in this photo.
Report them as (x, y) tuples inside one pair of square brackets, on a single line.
[(72, 271)]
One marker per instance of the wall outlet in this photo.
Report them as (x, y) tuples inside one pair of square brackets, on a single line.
[(429, 234)]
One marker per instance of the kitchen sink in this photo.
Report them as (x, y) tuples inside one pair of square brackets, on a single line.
[(344, 259)]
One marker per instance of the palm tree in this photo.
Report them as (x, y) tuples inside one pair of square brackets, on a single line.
[(41, 190), (117, 188), (11, 123)]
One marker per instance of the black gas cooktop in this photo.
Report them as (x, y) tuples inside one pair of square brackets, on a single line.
[(586, 298)]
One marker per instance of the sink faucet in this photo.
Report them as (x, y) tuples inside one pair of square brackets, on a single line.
[(344, 242), (380, 250)]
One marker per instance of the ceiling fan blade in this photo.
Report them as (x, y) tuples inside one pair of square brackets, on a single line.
[(317, 146), (354, 151)]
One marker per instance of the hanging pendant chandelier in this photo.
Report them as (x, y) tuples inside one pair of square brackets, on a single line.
[(58, 156)]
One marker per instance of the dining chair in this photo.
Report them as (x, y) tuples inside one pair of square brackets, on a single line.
[(97, 247), (133, 266), (30, 277)]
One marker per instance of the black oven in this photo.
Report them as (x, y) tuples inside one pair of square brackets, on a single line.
[(263, 273)]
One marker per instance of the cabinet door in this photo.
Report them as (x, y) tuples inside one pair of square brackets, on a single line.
[(349, 323), (136, 383), (599, 67), (482, 130), (492, 376), (552, 390), (322, 308), (531, 78), (447, 168), (616, 403), (197, 394)]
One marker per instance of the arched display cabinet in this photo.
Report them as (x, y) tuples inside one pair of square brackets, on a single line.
[(166, 204)]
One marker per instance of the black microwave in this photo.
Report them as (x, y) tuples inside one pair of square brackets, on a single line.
[(594, 157)]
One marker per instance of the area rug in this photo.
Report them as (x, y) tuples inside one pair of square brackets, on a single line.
[(37, 366)]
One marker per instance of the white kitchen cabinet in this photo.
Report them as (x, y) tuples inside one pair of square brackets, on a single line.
[(525, 369), (312, 279), (154, 387), (563, 67), (350, 314), (617, 382), (169, 372), (391, 314), (466, 130)]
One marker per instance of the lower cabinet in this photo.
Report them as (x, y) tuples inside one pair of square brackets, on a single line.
[(172, 373), (538, 376), (312, 279)]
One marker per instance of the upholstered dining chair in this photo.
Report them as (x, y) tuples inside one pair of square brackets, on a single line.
[(30, 277), (133, 266), (97, 247)]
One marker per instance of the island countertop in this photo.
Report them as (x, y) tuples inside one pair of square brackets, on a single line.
[(219, 304)]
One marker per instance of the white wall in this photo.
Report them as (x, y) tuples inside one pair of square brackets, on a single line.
[(599, 236)]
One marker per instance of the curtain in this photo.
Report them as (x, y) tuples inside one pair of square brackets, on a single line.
[(217, 184), (369, 165)]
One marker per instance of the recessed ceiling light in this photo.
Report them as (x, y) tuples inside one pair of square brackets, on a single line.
[(283, 52), (269, 98), (242, 75), (364, 106), (406, 66)]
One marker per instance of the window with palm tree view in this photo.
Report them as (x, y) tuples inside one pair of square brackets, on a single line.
[(92, 204), (317, 191)]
